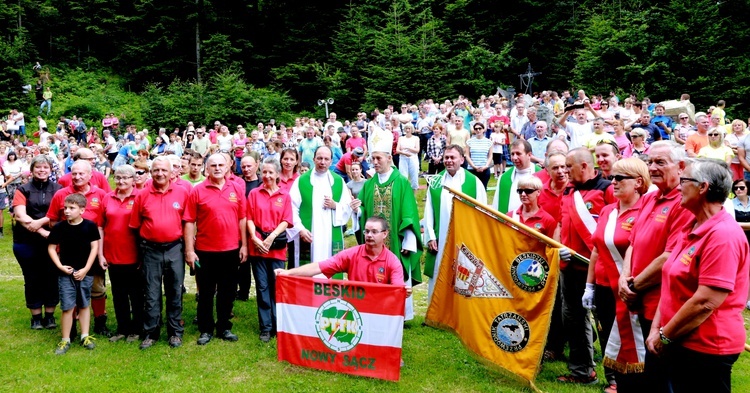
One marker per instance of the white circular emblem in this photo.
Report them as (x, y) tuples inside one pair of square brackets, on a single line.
[(339, 325)]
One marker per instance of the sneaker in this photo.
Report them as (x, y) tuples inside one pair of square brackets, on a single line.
[(116, 338), (62, 347), (49, 322), (265, 336), (131, 338), (175, 341), (36, 324), (227, 335), (88, 342), (570, 378), (204, 338), (147, 343)]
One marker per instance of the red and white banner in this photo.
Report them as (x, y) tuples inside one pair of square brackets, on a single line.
[(342, 326)]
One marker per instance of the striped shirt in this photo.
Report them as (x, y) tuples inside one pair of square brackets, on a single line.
[(479, 149)]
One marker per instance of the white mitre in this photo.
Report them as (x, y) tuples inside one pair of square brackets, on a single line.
[(381, 141)]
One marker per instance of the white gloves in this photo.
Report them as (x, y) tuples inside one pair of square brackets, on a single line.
[(565, 254), (588, 297)]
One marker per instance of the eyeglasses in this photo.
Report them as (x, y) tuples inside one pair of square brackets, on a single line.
[(118, 178), (372, 231), (620, 178), (687, 179), (714, 134), (741, 188), (140, 173), (527, 191)]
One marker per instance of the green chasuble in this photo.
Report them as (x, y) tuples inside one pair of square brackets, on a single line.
[(306, 216), (394, 201), (469, 187), (503, 188)]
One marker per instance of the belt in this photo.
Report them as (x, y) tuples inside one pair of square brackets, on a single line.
[(163, 246)]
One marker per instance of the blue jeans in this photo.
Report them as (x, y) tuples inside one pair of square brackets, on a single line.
[(342, 174), (265, 291), (48, 104)]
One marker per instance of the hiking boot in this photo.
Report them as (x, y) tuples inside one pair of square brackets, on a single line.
[(147, 343), (36, 324), (587, 380), (204, 338), (62, 347), (49, 322), (88, 342), (116, 338), (175, 341), (227, 335)]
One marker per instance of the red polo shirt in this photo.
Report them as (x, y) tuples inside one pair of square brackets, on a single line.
[(158, 215), (287, 185), (715, 255), (217, 212), (606, 269), (542, 221), (656, 231), (97, 179), (385, 269), (267, 211), (549, 201), (120, 246), (94, 201), (596, 193), (178, 181)]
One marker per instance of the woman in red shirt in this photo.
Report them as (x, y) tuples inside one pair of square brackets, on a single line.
[(119, 255), (611, 239), (698, 328), (289, 168), (530, 214), (269, 213)]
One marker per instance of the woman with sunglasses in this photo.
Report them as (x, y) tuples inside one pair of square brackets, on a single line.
[(479, 154), (741, 204), (716, 148), (141, 175), (530, 214), (638, 146), (630, 180)]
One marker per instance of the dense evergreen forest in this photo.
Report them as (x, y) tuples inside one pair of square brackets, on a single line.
[(202, 59)]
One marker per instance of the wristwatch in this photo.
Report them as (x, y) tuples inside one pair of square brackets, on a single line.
[(664, 339)]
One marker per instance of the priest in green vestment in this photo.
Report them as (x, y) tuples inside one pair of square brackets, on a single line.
[(437, 209), (506, 198), (388, 194)]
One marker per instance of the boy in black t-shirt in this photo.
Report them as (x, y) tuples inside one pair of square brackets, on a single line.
[(78, 241)]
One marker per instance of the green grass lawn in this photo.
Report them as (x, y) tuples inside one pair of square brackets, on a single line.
[(435, 360)]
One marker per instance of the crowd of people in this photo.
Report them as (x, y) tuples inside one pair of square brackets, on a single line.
[(643, 196)]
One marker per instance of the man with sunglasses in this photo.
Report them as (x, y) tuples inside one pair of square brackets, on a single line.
[(582, 201)]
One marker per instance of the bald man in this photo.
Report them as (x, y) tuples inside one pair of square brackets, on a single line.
[(97, 178)]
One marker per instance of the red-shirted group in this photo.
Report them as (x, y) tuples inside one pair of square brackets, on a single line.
[(667, 279)]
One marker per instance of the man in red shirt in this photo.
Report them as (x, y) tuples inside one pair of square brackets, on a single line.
[(344, 167), (216, 210), (369, 262), (157, 216), (582, 201), (655, 234), (97, 178), (80, 177)]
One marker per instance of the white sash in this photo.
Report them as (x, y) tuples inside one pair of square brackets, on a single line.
[(612, 348), (583, 213)]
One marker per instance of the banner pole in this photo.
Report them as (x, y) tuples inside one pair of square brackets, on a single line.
[(503, 218)]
